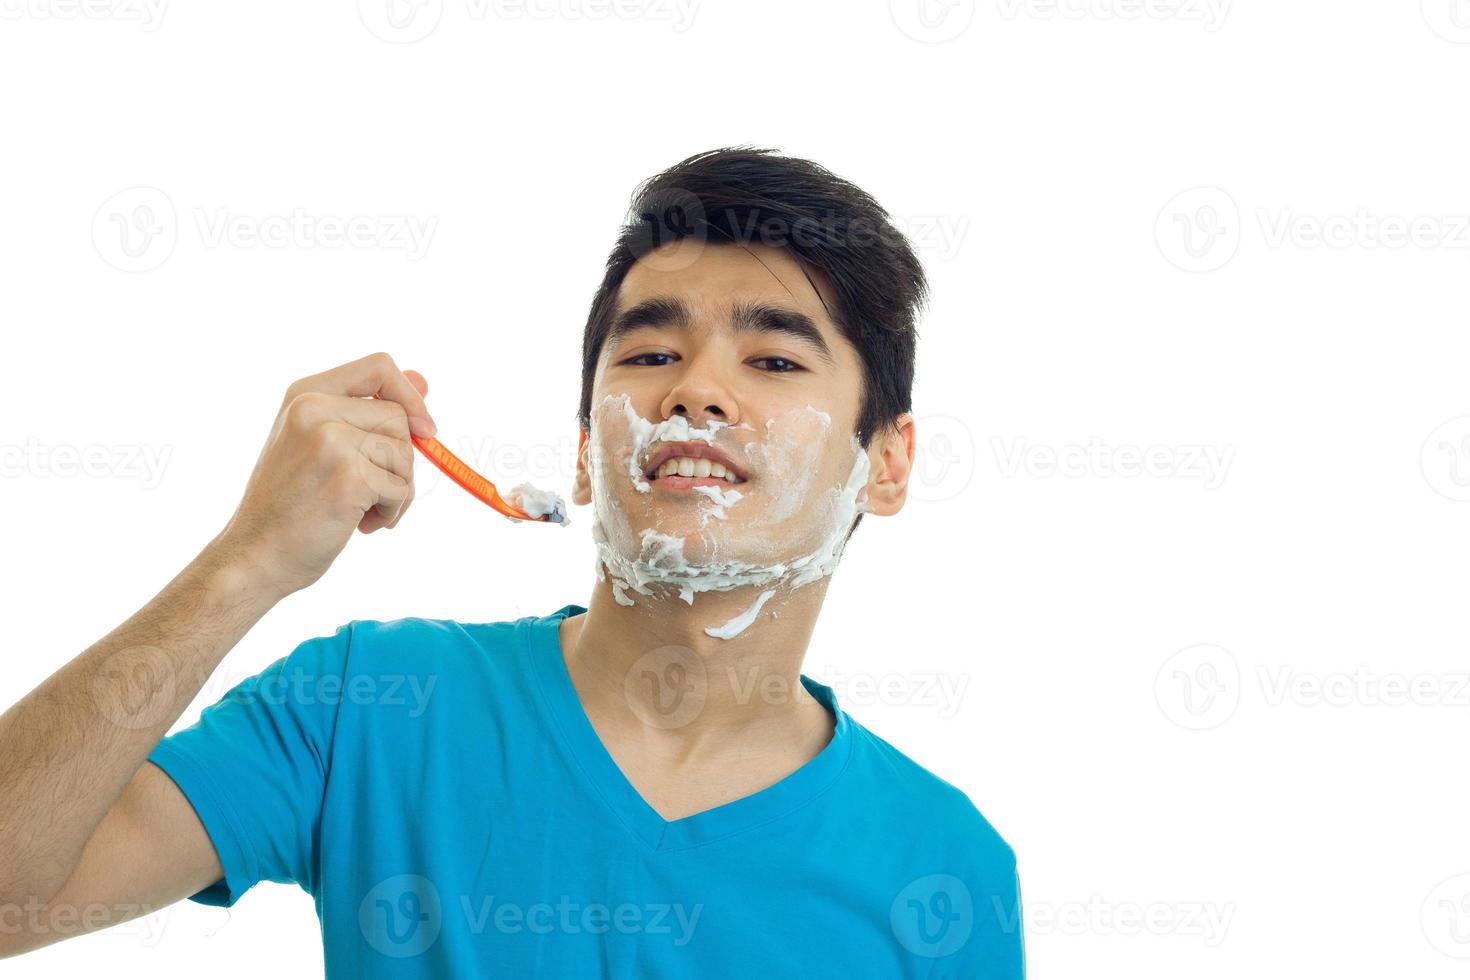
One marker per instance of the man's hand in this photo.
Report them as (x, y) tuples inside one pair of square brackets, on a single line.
[(336, 459)]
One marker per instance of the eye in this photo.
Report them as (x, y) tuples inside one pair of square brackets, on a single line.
[(635, 360), (782, 365), (790, 365)]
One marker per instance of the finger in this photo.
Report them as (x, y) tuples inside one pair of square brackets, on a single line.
[(371, 521), (402, 510), (386, 452), (418, 380), (379, 429), (386, 418), (376, 374), (388, 492)]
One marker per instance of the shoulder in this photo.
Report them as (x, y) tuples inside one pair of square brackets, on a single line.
[(470, 658), (388, 671), (933, 807), (955, 887), (413, 639)]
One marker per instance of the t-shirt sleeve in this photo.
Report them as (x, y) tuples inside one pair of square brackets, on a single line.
[(974, 922), (997, 949), (255, 764), (998, 927)]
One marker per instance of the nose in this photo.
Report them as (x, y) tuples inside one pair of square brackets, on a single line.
[(700, 396), (699, 419)]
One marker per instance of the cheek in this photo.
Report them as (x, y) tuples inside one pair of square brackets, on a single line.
[(617, 441), (609, 447), (788, 462)]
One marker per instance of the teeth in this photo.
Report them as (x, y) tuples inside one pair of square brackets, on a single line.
[(697, 468)]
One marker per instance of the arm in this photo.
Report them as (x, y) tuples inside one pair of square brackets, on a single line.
[(148, 851), (83, 818), (71, 746)]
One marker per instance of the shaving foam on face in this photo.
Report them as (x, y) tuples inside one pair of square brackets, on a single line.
[(788, 526), (676, 429), (722, 499), (736, 625)]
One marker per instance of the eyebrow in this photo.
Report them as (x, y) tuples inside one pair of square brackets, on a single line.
[(750, 316)]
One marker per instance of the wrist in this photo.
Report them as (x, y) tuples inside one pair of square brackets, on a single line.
[(236, 574)]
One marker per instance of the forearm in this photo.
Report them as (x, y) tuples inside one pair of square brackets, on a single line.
[(70, 746)]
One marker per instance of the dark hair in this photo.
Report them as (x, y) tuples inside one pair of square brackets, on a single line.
[(742, 195)]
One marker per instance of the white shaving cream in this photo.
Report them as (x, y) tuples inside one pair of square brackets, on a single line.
[(537, 503), (751, 541)]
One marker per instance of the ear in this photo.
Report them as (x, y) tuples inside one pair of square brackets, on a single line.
[(891, 456), (582, 485)]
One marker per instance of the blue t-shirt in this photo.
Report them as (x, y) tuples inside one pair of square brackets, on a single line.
[(439, 791)]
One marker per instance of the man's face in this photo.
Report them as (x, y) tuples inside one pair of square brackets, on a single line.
[(712, 336)]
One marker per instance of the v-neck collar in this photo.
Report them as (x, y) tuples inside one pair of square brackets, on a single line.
[(806, 784)]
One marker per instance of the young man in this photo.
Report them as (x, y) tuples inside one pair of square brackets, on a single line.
[(643, 787)]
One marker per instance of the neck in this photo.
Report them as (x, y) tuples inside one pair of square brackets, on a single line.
[(651, 669)]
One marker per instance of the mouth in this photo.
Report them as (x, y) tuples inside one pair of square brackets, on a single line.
[(679, 465)]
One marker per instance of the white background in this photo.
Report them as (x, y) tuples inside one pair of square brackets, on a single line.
[(1179, 225)]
